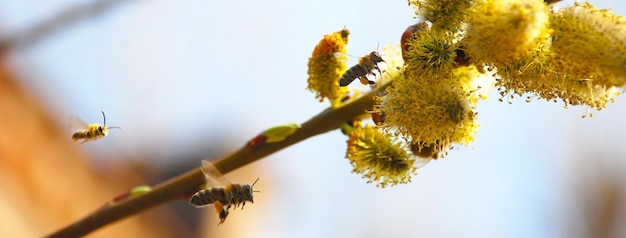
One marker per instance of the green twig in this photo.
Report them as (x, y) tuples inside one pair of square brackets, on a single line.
[(184, 185)]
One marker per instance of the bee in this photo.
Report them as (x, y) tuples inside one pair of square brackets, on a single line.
[(366, 65), (221, 193), (93, 132)]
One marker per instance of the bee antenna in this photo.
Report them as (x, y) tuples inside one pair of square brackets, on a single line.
[(377, 48), (251, 186), (105, 122), (104, 119)]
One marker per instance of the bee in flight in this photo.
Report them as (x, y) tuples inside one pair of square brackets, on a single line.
[(221, 193), (367, 64), (93, 132)]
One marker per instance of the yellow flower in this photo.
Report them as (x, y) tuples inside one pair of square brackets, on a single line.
[(326, 65), (503, 31), (447, 15), (538, 75), (430, 52), (378, 157), (432, 98), (393, 63), (409, 34), (433, 112), (590, 44)]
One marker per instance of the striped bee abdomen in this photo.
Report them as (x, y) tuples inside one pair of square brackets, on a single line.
[(208, 196), (353, 73), (367, 64)]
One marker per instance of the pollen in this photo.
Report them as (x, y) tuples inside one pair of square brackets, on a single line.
[(381, 159), (590, 44), (326, 65), (430, 52), (393, 63), (538, 76), (447, 15), (502, 31), (433, 111)]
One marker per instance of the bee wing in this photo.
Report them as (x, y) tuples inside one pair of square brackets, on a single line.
[(213, 176), (339, 55), (74, 123), (421, 162), (344, 56)]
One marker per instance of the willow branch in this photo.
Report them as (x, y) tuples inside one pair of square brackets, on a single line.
[(56, 23), (182, 186)]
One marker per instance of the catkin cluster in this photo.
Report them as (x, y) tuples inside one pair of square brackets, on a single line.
[(453, 56)]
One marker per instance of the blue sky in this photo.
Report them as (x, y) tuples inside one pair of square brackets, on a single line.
[(181, 75)]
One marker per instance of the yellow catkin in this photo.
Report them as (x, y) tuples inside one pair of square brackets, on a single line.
[(379, 158), (446, 15), (431, 52), (503, 31), (326, 65), (433, 111), (590, 44), (537, 76)]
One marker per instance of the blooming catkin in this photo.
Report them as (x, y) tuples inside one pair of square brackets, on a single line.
[(445, 15), (538, 76), (430, 52), (378, 157), (581, 63), (502, 31), (326, 65), (590, 44), (434, 112)]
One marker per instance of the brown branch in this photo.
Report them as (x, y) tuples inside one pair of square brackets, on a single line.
[(56, 24), (182, 186)]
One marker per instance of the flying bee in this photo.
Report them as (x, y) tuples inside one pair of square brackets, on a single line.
[(367, 64), (221, 193), (93, 132)]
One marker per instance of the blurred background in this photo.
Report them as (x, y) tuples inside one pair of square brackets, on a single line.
[(191, 80)]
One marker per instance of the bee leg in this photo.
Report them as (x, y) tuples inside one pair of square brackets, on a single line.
[(221, 212), (218, 206), (242, 205), (377, 68), (364, 80), (367, 81)]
